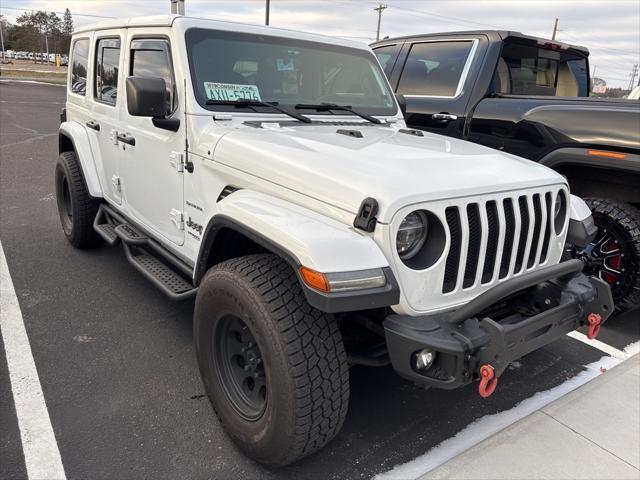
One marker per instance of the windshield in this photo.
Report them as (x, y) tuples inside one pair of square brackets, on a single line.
[(229, 66)]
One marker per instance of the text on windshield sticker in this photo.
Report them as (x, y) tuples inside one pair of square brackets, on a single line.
[(231, 91)]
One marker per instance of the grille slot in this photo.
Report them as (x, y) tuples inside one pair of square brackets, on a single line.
[(492, 242), (510, 225), (473, 252), (547, 232), (453, 259), (524, 231), (537, 224)]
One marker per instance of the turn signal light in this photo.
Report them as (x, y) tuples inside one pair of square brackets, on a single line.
[(602, 153), (315, 279)]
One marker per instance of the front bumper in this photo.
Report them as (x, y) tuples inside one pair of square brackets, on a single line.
[(503, 324)]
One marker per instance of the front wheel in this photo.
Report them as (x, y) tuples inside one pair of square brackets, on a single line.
[(614, 255), (273, 367), (76, 207)]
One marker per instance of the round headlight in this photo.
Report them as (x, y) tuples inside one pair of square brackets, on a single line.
[(411, 234)]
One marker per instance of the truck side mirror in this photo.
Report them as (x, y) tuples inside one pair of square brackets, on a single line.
[(402, 102), (146, 97)]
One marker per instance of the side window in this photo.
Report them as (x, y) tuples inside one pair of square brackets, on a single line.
[(107, 70), (385, 54), (434, 68), (79, 63), (151, 58)]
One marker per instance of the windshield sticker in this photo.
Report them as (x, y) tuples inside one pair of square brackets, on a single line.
[(284, 65), (231, 91)]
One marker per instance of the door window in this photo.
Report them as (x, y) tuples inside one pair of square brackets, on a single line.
[(107, 70), (385, 54), (435, 68), (79, 65), (151, 58)]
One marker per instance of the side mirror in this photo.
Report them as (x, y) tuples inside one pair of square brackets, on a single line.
[(146, 96), (402, 102)]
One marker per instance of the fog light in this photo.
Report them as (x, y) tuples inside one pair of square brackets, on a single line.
[(424, 359)]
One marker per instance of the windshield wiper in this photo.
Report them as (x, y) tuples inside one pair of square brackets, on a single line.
[(241, 103), (326, 107)]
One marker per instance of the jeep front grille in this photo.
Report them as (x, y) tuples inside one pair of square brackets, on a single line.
[(496, 238)]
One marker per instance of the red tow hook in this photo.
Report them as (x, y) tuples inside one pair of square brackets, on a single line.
[(488, 383), (594, 320)]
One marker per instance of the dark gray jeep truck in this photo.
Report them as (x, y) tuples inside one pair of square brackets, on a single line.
[(529, 96)]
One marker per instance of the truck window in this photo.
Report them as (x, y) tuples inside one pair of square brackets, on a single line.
[(385, 54), (530, 70), (435, 68), (107, 66), (80, 58), (151, 58)]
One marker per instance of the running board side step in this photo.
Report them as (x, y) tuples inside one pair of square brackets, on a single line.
[(168, 273)]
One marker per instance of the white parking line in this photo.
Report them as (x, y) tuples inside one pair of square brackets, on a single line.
[(41, 454), (595, 343)]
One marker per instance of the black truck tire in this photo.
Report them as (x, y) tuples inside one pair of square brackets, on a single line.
[(255, 331), (617, 244), (76, 207)]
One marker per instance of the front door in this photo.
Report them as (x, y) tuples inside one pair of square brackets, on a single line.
[(150, 163)]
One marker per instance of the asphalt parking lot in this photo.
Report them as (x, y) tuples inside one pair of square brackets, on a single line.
[(116, 363)]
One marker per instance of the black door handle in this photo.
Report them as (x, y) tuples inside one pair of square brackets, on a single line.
[(93, 125), (128, 139)]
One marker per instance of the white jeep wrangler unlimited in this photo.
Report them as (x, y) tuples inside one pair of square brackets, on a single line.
[(270, 175)]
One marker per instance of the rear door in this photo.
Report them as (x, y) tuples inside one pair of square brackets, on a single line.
[(106, 92), (434, 77), (151, 170)]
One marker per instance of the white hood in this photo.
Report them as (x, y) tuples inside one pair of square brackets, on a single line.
[(397, 169)]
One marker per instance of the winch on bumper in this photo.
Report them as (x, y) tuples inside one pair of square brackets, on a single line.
[(479, 340)]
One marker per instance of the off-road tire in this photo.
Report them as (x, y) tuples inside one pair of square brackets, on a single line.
[(305, 364), (76, 207), (624, 221)]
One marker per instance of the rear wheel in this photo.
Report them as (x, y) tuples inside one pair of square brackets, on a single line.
[(614, 255), (76, 207), (273, 367)]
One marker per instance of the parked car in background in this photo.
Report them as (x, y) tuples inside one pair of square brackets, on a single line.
[(528, 96)]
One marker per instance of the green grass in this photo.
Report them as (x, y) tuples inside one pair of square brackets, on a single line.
[(52, 77)]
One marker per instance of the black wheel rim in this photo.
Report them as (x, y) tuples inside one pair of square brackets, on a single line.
[(609, 257), (65, 206), (66, 199), (240, 367)]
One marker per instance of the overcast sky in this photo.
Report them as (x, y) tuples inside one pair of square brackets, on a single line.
[(610, 28)]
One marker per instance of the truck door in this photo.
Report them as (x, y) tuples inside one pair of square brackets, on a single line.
[(151, 167), (433, 77)]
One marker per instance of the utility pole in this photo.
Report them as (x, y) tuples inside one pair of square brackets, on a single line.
[(379, 9), (177, 7), (555, 29), (2, 38), (634, 72), (266, 12)]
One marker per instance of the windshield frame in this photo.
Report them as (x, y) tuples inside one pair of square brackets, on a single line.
[(190, 38)]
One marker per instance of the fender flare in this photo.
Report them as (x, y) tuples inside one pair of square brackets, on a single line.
[(77, 135), (580, 156), (302, 237)]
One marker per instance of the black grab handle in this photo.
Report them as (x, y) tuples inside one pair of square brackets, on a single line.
[(93, 125), (128, 139)]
